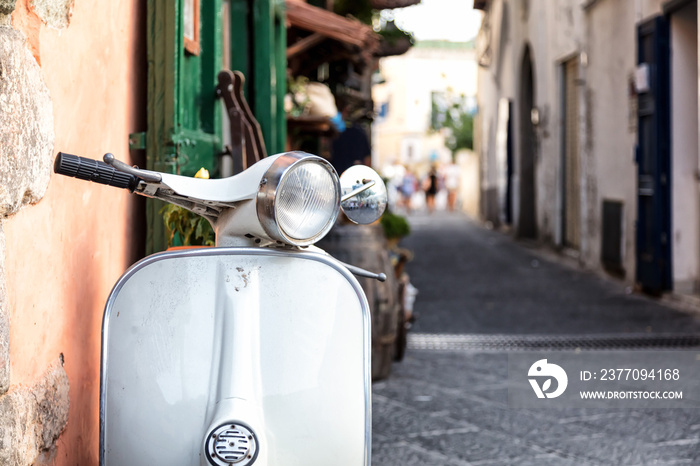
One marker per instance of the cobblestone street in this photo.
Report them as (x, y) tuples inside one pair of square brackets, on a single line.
[(451, 407)]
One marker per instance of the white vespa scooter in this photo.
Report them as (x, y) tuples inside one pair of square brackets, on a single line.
[(256, 351)]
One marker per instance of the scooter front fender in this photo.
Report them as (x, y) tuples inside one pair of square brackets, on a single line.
[(199, 346)]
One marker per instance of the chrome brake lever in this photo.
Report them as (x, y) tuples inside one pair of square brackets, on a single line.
[(145, 175)]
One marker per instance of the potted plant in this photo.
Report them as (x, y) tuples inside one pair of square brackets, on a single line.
[(185, 228), (395, 227)]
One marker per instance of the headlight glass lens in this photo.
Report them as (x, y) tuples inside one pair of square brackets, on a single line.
[(307, 201)]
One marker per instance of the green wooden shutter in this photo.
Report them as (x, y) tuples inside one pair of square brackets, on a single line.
[(184, 116), (259, 51)]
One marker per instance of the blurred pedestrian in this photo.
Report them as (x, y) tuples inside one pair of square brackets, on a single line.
[(451, 176), (409, 186), (430, 186), (394, 173)]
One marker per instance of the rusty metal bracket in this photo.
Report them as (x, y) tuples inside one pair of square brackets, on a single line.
[(247, 145)]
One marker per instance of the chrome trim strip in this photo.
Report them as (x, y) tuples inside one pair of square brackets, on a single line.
[(318, 257)]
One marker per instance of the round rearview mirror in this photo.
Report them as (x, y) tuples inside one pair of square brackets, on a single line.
[(363, 194)]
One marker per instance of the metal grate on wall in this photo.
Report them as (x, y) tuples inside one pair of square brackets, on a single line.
[(472, 342)]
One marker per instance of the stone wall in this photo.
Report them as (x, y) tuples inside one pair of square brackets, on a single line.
[(31, 417)]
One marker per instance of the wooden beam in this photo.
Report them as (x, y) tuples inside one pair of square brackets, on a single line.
[(314, 19), (305, 44)]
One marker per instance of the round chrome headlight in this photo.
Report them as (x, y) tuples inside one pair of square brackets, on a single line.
[(299, 199)]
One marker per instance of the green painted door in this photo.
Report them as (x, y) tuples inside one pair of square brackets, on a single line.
[(259, 50), (184, 116), (185, 53)]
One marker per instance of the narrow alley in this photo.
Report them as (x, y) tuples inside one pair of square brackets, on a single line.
[(484, 297)]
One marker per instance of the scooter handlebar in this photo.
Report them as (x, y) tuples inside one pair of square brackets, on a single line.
[(93, 170)]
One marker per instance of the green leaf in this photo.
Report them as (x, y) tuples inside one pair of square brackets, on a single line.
[(190, 228)]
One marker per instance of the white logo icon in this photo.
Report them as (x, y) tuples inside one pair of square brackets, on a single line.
[(545, 372)]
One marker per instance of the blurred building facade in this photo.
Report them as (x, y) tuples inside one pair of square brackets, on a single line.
[(411, 85), (588, 132)]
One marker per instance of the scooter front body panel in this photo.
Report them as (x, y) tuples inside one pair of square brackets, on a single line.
[(201, 343)]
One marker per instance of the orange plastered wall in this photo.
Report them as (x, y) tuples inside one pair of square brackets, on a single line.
[(64, 254)]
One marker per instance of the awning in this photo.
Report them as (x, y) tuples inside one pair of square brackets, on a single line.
[(326, 24)]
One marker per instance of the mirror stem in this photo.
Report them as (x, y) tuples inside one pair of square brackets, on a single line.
[(364, 273), (367, 184)]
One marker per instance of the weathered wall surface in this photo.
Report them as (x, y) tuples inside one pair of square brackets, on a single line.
[(26, 140), (6, 7), (33, 418), (601, 37), (685, 157), (553, 32), (71, 79), (612, 116), (54, 13), (495, 84)]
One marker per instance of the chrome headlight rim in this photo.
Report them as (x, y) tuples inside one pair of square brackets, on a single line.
[(266, 201)]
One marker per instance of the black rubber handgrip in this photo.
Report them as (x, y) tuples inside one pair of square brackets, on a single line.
[(93, 170)]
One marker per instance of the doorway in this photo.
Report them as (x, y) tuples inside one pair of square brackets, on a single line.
[(685, 195), (654, 157), (571, 189), (527, 218)]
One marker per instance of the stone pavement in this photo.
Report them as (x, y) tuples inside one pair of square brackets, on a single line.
[(451, 407), (473, 280)]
